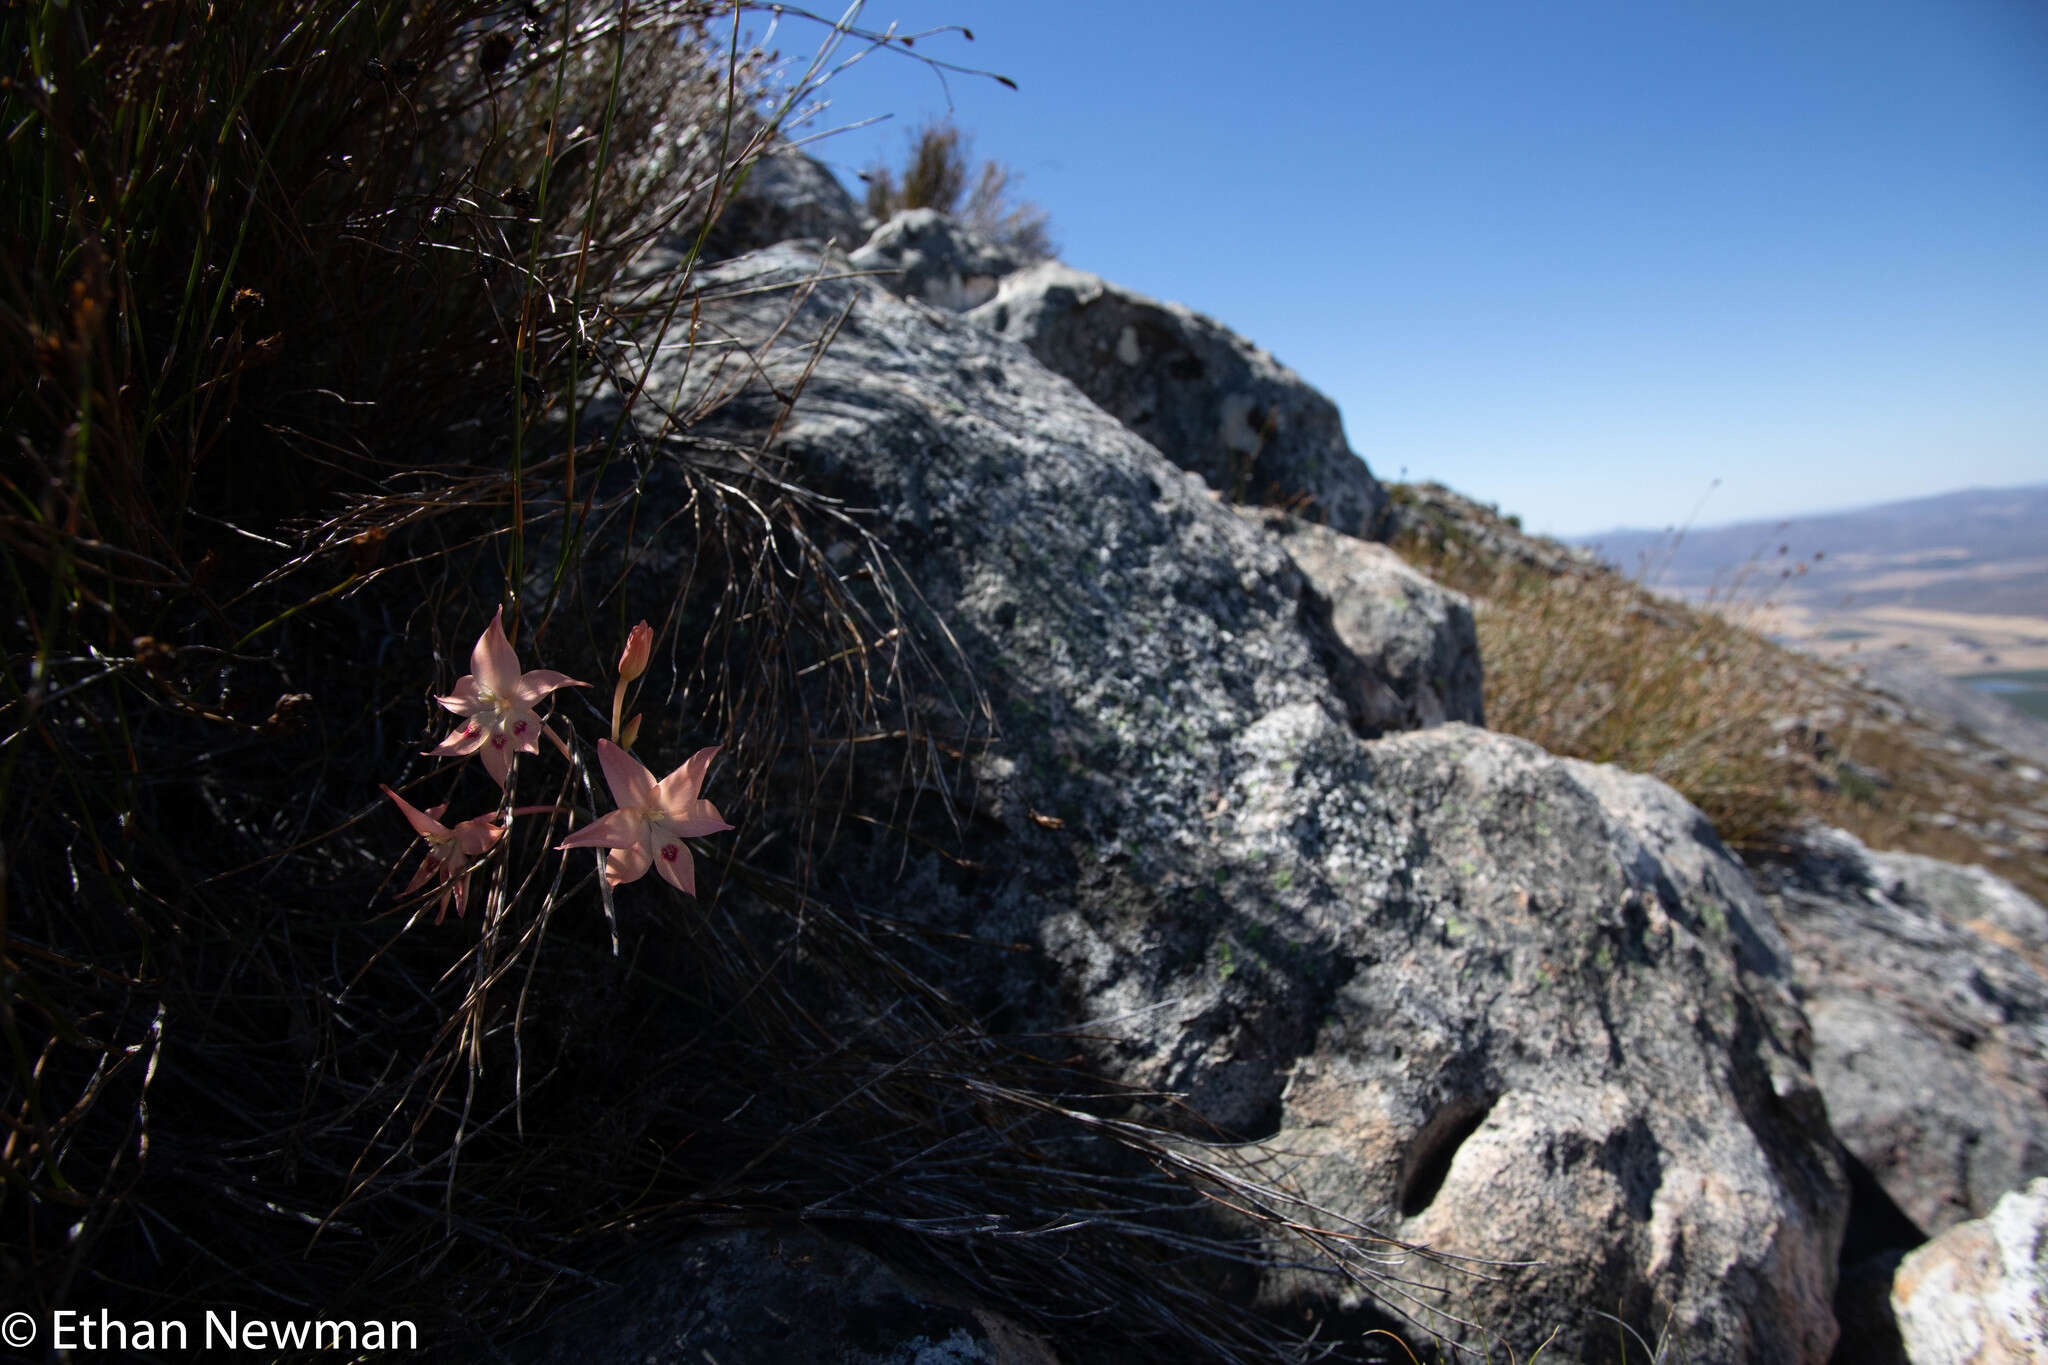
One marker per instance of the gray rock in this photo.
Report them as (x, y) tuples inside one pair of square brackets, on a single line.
[(1414, 639), (787, 1297), (1565, 1034), (1978, 1294), (787, 196), (925, 255), (1209, 400), (1924, 987), (1522, 1008)]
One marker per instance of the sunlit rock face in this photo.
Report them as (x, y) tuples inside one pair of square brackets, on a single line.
[(922, 254), (1978, 1294), (1417, 648), (1522, 1008)]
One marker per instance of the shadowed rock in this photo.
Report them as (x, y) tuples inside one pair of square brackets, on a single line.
[(1209, 400), (786, 196), (780, 1297), (1923, 983)]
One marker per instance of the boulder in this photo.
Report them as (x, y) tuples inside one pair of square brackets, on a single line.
[(1978, 1294), (1521, 1008), (787, 196), (1414, 639), (1209, 400), (760, 1296), (1563, 1034), (1924, 986), (922, 254)]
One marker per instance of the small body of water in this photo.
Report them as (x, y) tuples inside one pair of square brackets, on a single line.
[(2024, 689)]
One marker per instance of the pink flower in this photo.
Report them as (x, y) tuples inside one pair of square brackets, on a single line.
[(496, 700), (653, 818), (451, 853)]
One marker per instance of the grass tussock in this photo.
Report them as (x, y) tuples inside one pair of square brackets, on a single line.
[(300, 314), (1590, 664), (937, 174)]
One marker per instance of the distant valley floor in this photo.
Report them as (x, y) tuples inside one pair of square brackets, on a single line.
[(2004, 655), (1955, 584)]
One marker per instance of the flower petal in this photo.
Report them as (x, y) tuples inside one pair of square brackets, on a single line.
[(632, 785), (532, 686), (680, 787), (624, 865), (478, 836), (620, 829), (421, 875), (492, 662), (521, 729), (423, 824), (497, 756), (700, 821), (672, 861), (465, 699), (463, 739)]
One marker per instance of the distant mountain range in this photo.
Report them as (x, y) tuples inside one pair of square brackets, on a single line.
[(1978, 552)]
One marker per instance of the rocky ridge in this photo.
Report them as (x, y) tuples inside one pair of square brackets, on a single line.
[(1514, 1006)]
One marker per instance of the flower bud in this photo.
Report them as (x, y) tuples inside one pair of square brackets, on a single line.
[(631, 733), (639, 644)]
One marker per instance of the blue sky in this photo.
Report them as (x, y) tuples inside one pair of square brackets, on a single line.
[(1577, 257)]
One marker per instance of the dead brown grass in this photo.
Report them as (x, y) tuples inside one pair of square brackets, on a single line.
[(936, 176), (1588, 664)]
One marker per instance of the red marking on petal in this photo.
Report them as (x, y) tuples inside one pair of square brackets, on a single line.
[(497, 741), (472, 730), (520, 728), (670, 852)]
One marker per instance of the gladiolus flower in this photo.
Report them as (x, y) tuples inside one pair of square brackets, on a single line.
[(497, 701), (653, 819), (451, 853)]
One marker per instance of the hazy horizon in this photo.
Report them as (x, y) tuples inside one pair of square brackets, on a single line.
[(1809, 514)]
